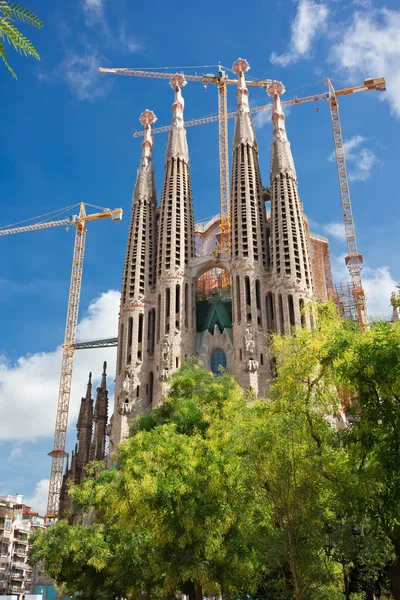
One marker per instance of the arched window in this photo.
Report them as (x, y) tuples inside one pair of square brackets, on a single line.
[(218, 359)]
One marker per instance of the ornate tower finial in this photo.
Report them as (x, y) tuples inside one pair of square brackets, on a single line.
[(147, 118), (177, 144), (281, 156), (244, 131)]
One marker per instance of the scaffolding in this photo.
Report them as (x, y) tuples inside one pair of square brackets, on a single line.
[(343, 296), (208, 242)]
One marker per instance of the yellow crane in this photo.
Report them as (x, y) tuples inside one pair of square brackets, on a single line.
[(60, 431), (353, 259), (221, 80)]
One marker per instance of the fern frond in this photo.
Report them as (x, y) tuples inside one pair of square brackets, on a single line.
[(12, 10), (17, 39), (4, 57)]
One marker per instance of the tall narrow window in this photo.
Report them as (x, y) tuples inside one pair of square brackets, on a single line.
[(258, 303), (238, 298), (121, 346), (270, 312), (292, 319), (281, 315), (302, 315), (247, 288), (151, 330), (158, 316), (167, 308), (140, 329), (151, 385), (186, 305), (177, 306), (129, 342)]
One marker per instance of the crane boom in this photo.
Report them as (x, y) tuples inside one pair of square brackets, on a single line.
[(378, 83), (36, 226)]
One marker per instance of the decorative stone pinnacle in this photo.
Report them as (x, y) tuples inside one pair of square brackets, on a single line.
[(147, 118), (105, 363), (178, 81), (240, 66), (276, 88)]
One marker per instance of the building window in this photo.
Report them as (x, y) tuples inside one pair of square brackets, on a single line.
[(167, 308), (291, 311), (302, 315), (218, 359), (247, 288), (238, 298)]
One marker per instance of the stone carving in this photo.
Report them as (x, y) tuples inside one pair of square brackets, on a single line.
[(125, 408), (248, 341), (164, 374), (252, 365), (166, 350), (126, 384)]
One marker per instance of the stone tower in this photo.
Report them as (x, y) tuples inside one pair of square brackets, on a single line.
[(175, 301), (84, 427), (291, 277), (134, 378), (248, 247), (100, 417)]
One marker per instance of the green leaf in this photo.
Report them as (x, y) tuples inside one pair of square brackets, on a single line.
[(4, 57), (17, 39), (18, 12)]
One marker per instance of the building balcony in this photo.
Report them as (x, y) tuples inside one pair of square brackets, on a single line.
[(18, 564), (17, 576), (24, 542)]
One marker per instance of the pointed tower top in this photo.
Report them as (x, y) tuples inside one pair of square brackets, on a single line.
[(281, 156), (89, 387), (177, 144), (147, 118), (103, 386), (244, 132)]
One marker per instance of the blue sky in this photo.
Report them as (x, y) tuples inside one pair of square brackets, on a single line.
[(66, 137)]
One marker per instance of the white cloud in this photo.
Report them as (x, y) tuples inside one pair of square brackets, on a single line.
[(335, 229), (29, 387), (15, 453), (93, 11), (366, 161), (38, 500), (309, 23), (128, 42), (362, 159), (262, 118), (370, 47), (378, 285), (80, 72)]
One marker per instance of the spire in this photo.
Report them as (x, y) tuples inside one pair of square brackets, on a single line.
[(177, 144), (145, 188), (103, 385), (89, 387), (100, 419), (281, 155), (244, 131)]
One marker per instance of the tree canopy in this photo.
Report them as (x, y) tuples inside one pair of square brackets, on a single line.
[(214, 495)]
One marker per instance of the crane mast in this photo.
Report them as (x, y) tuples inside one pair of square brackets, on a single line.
[(353, 259)]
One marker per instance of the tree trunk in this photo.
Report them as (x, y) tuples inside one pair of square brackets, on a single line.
[(193, 590), (394, 575)]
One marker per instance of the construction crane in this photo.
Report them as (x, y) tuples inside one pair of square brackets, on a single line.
[(353, 259), (221, 80), (60, 432)]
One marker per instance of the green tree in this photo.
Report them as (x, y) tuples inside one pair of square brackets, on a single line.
[(9, 13)]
